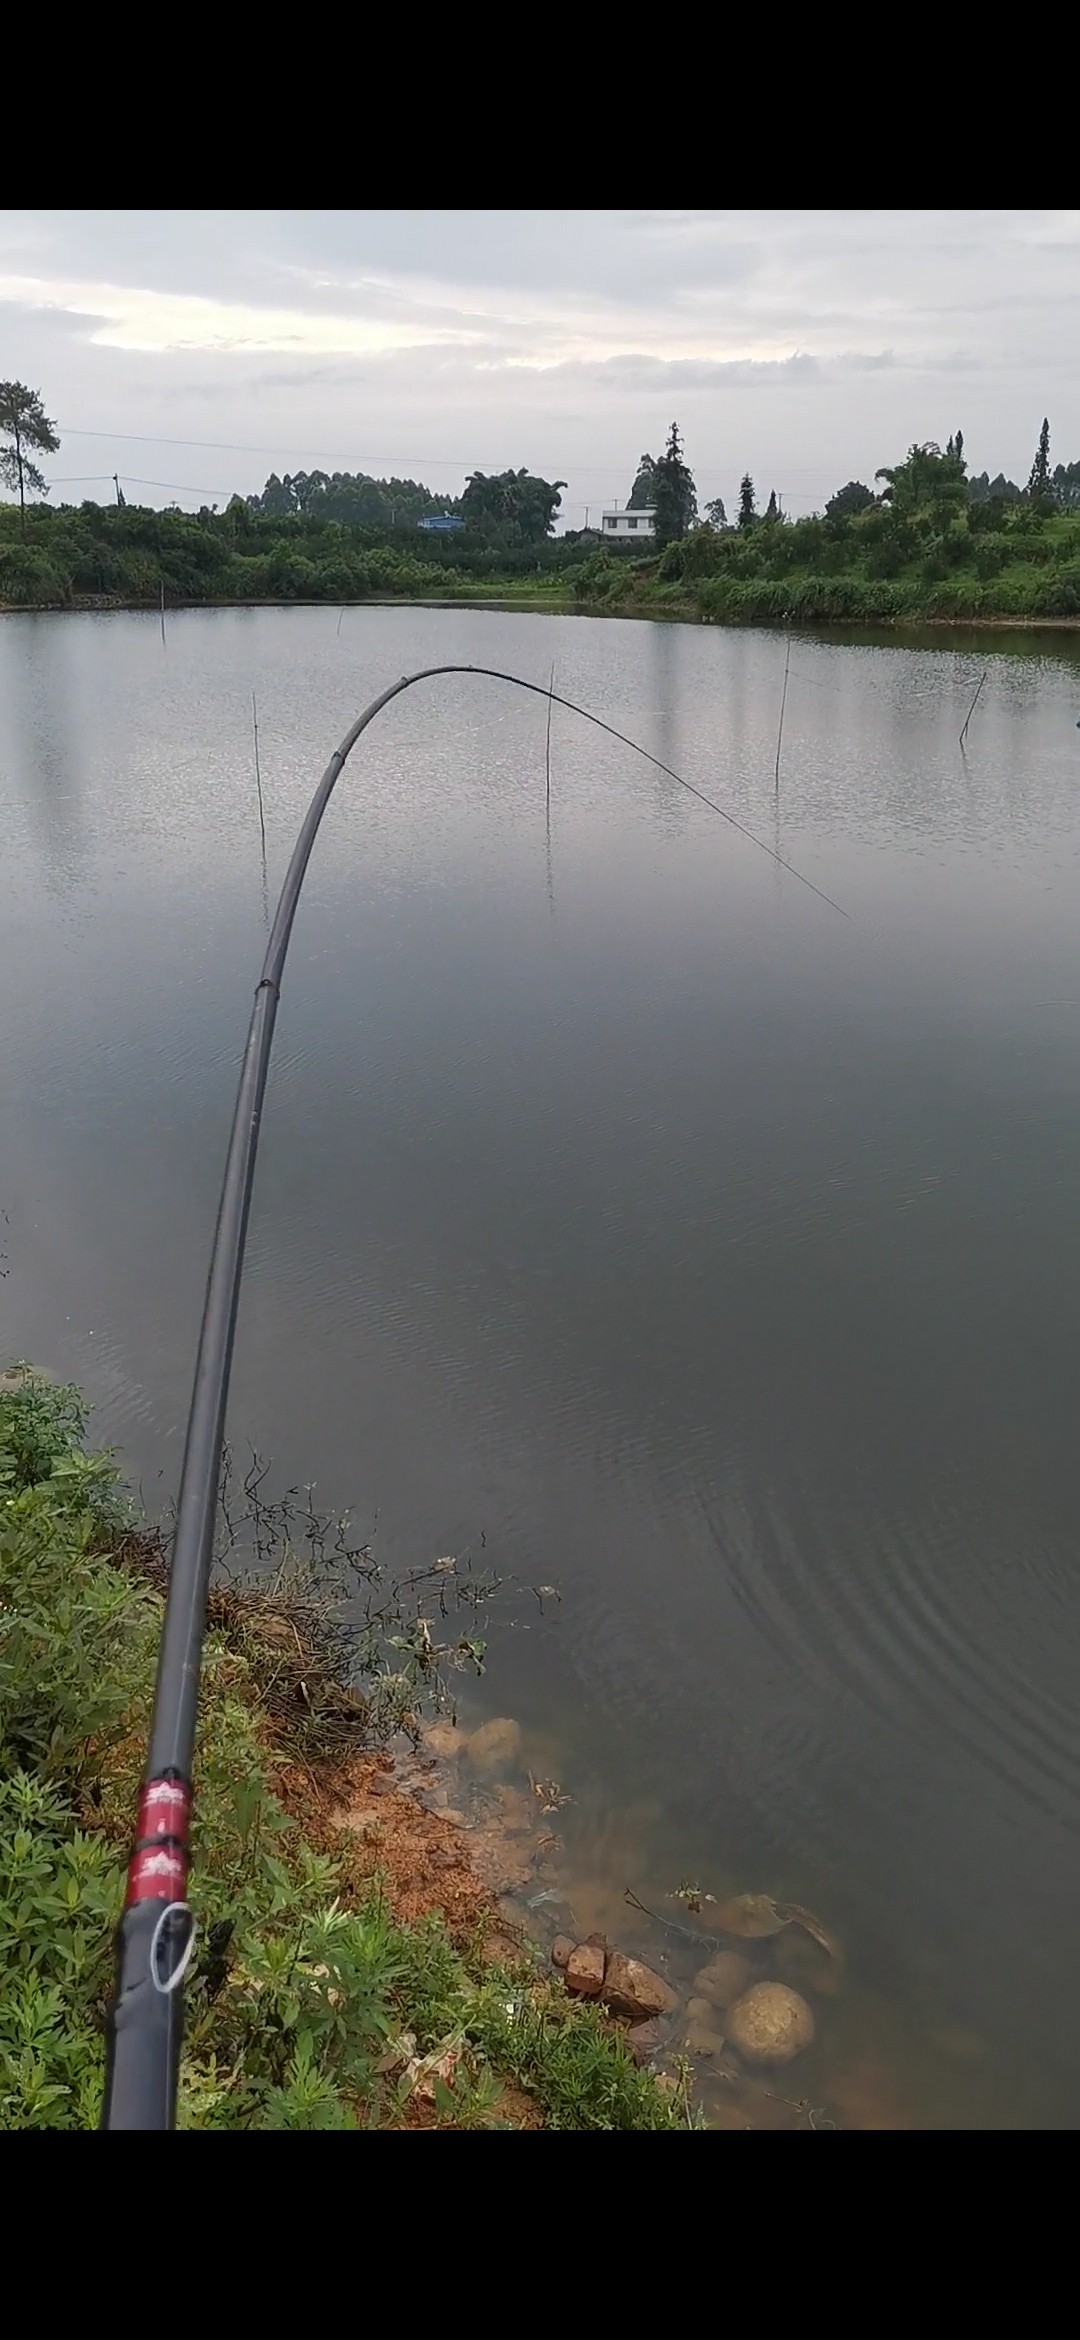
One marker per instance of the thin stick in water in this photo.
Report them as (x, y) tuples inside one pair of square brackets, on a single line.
[(783, 704), (974, 703), (340, 615), (547, 795), (258, 786), (163, 609)]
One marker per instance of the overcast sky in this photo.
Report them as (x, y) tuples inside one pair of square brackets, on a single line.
[(808, 347)]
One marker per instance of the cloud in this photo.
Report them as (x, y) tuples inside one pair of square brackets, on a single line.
[(138, 318), (809, 346), (638, 371)]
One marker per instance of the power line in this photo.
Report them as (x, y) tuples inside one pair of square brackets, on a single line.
[(331, 455)]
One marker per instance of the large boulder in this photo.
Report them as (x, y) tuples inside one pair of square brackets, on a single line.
[(770, 2024)]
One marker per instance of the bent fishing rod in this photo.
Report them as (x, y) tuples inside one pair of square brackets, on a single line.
[(155, 1936)]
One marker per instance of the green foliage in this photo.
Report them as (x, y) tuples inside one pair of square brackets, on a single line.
[(349, 496), (513, 506), (673, 492), (28, 431), (643, 493), (852, 498), (927, 479), (747, 506), (602, 578), (983, 490), (1067, 487), (302, 2013), (1039, 488)]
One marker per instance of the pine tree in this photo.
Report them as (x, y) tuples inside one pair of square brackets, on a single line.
[(747, 506), (1039, 485), (674, 493), (24, 421), (771, 512)]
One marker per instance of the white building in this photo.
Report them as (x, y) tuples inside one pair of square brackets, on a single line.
[(622, 527)]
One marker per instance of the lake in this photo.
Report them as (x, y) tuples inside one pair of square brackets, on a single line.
[(626, 1216)]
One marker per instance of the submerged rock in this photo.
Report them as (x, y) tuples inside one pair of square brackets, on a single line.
[(495, 1745), (444, 1741), (770, 2024), (643, 2041), (725, 1978), (699, 2039), (800, 1961), (562, 1951), (632, 1988)]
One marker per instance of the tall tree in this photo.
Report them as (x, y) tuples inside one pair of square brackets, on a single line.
[(1040, 486), (927, 480), (643, 492), (24, 422), (747, 507), (516, 506), (674, 493), (715, 513), (771, 511)]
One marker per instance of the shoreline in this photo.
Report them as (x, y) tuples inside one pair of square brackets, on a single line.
[(560, 605)]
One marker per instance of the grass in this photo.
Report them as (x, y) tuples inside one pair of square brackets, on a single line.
[(308, 2007)]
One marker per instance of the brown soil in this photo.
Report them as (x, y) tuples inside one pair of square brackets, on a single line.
[(359, 1810)]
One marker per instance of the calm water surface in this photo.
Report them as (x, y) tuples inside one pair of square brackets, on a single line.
[(714, 1256)]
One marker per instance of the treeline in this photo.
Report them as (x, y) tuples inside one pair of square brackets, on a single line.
[(923, 547), (506, 509), (54, 557)]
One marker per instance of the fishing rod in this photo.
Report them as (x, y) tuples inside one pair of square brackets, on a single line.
[(155, 1936)]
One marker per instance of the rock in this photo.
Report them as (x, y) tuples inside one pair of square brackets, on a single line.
[(643, 2040), (633, 1989), (562, 1950), (751, 1916), (699, 2039), (585, 1970), (444, 1741), (516, 1811), (495, 1745), (699, 2011), (770, 2024), (803, 1963), (725, 1978)]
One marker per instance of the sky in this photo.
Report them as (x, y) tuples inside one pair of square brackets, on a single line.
[(194, 352)]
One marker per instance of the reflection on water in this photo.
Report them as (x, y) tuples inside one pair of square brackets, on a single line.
[(707, 1253)]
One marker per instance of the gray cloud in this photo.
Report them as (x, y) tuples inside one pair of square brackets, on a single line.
[(807, 346)]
